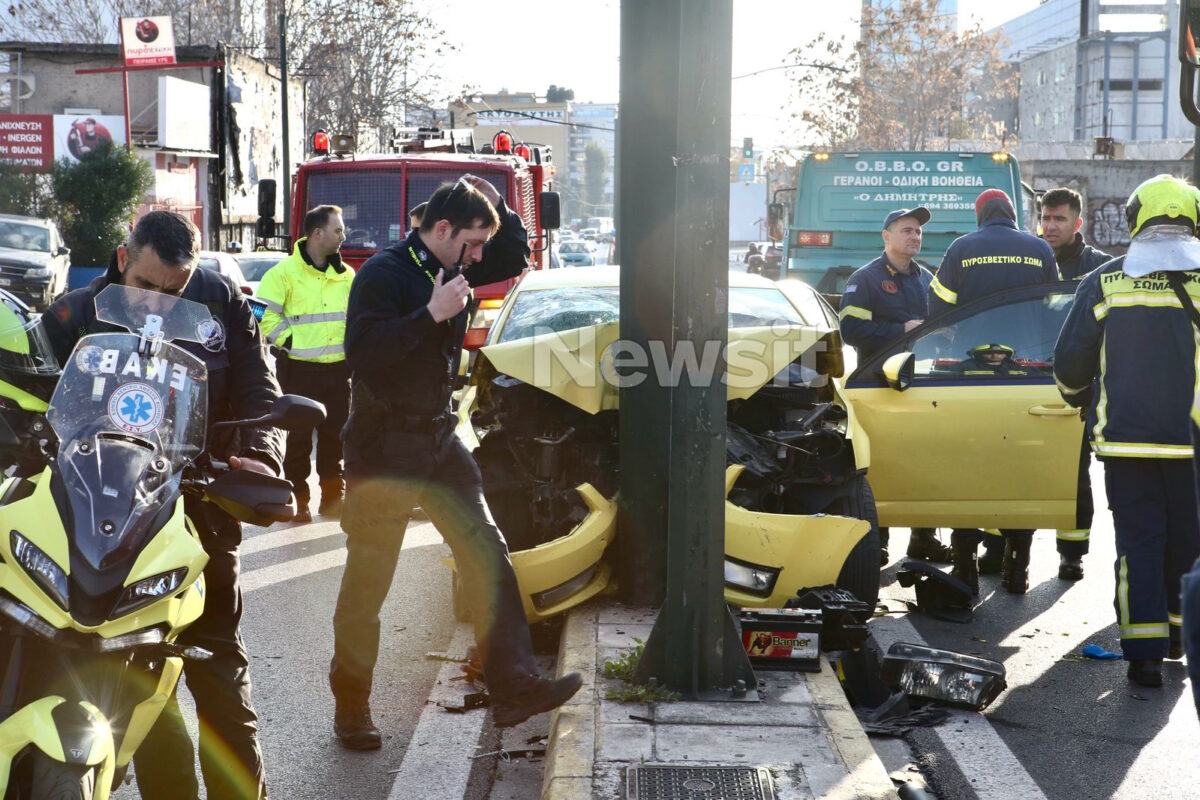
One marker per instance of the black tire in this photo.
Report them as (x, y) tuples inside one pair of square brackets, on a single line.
[(860, 573), (53, 780)]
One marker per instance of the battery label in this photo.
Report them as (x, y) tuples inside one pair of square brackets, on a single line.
[(780, 644)]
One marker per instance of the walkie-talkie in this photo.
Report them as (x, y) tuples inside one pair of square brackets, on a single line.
[(453, 272)]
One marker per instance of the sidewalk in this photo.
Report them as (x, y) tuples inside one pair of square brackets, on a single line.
[(804, 731)]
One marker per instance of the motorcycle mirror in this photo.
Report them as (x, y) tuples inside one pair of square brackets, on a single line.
[(290, 412), (252, 497)]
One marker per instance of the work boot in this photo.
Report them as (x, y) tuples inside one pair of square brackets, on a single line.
[(332, 494), (992, 559), (1146, 671), (1014, 570), (883, 544), (1070, 569), (302, 512), (965, 567), (533, 697), (354, 727), (924, 544)]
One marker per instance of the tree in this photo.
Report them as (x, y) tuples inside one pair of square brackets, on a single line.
[(595, 168), (559, 94), (24, 193), (910, 82), (95, 199)]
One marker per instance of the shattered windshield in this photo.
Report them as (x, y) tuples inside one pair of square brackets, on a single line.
[(553, 310)]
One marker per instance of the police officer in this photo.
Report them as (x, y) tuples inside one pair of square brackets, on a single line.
[(1062, 210), (305, 318), (882, 300), (161, 256), (997, 256), (404, 336), (1131, 327)]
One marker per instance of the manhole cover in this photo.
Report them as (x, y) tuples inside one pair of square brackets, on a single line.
[(647, 782)]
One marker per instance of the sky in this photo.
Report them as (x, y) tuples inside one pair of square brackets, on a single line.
[(536, 43)]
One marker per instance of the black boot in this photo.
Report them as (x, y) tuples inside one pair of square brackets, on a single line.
[(924, 544), (352, 721), (1014, 572), (302, 512), (1146, 672), (1070, 568), (883, 543), (965, 568), (993, 555), (332, 494)]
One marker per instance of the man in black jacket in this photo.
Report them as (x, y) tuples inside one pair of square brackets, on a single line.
[(1061, 224), (404, 336), (161, 256)]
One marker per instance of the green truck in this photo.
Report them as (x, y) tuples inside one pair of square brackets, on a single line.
[(842, 199)]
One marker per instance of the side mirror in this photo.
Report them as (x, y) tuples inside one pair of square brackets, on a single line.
[(775, 221), (898, 370), (63, 251), (266, 198), (293, 412), (549, 210), (1189, 60)]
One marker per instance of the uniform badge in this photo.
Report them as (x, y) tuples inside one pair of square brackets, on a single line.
[(135, 408), (889, 287), (421, 254), (211, 334)]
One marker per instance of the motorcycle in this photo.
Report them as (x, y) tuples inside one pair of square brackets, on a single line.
[(100, 568)]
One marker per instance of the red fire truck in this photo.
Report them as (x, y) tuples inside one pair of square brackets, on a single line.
[(376, 193)]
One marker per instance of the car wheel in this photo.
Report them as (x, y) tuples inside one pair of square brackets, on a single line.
[(860, 573)]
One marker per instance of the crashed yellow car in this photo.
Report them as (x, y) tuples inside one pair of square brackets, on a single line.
[(542, 411)]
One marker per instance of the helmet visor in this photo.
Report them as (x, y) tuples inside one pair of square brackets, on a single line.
[(24, 344)]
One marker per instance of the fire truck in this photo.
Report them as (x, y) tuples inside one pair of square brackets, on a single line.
[(376, 193)]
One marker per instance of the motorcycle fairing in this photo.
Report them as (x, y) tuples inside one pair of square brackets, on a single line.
[(146, 713), (36, 724)]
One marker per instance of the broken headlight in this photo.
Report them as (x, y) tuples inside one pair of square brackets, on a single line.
[(943, 676)]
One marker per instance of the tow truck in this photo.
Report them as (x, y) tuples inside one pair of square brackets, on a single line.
[(377, 191)]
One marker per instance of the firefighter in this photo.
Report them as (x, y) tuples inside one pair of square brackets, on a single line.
[(993, 258), (882, 300), (305, 320), (1062, 210), (1129, 330), (990, 360)]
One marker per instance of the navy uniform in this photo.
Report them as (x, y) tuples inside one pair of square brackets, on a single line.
[(240, 386), (991, 259), (1129, 329), (876, 303), (1078, 258)]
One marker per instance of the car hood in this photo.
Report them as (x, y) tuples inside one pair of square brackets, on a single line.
[(579, 365), (25, 258)]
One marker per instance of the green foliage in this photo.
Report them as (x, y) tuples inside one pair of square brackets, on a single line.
[(623, 667), (595, 168), (95, 199), (559, 94), (23, 193)]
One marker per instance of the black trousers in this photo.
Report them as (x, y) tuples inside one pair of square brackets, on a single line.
[(436, 472), (328, 384), (1074, 543), (230, 757)]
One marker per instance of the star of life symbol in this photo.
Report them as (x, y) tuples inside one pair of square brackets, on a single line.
[(135, 408)]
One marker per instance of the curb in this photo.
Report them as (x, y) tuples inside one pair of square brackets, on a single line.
[(868, 776), (571, 743)]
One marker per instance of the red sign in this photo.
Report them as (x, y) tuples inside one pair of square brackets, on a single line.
[(27, 141), (148, 41)]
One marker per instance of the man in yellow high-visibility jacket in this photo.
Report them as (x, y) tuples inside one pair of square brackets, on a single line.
[(306, 296)]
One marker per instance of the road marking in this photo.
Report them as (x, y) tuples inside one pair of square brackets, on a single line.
[(422, 535), (289, 536), (981, 755), (437, 761)]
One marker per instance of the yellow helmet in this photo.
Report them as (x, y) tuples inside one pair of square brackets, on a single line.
[(980, 349), (1162, 200)]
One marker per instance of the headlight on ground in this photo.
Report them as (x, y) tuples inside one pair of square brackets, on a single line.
[(946, 677), (751, 578), (147, 590), (48, 575), (556, 594)]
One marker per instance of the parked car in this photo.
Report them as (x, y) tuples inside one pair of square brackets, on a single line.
[(798, 509), (255, 264), (225, 264), (577, 254), (589, 233), (34, 260)]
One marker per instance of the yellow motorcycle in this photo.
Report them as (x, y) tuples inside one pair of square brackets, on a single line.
[(100, 568)]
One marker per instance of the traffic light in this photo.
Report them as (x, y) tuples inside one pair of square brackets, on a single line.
[(748, 147)]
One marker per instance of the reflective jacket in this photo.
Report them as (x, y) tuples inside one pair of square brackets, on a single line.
[(1137, 337), (1078, 259), (995, 257), (878, 300), (306, 307)]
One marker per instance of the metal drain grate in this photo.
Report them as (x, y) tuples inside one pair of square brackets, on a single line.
[(647, 782)]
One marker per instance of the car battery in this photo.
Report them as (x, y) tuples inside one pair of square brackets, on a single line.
[(782, 638)]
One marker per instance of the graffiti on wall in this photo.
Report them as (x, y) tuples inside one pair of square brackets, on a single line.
[(1105, 225)]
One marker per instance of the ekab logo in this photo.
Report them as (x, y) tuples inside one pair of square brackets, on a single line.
[(135, 408)]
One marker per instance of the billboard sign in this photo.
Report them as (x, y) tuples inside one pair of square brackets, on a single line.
[(27, 141), (76, 135), (148, 41)]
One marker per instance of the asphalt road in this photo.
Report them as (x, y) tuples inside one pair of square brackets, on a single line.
[(1067, 727)]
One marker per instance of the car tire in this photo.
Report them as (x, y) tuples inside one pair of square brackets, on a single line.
[(860, 573)]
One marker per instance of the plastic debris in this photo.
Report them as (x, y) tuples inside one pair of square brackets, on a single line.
[(1096, 651)]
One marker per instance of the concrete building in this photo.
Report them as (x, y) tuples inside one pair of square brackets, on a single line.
[(210, 132)]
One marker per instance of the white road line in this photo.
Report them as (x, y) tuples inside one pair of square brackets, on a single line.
[(437, 761), (289, 536), (969, 738), (251, 580)]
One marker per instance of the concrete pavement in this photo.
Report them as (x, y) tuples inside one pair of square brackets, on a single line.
[(803, 731)]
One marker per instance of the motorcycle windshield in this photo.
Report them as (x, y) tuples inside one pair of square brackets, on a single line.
[(127, 425)]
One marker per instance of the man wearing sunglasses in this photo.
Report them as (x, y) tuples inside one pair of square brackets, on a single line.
[(404, 334)]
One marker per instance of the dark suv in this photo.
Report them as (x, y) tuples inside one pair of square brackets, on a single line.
[(34, 261)]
